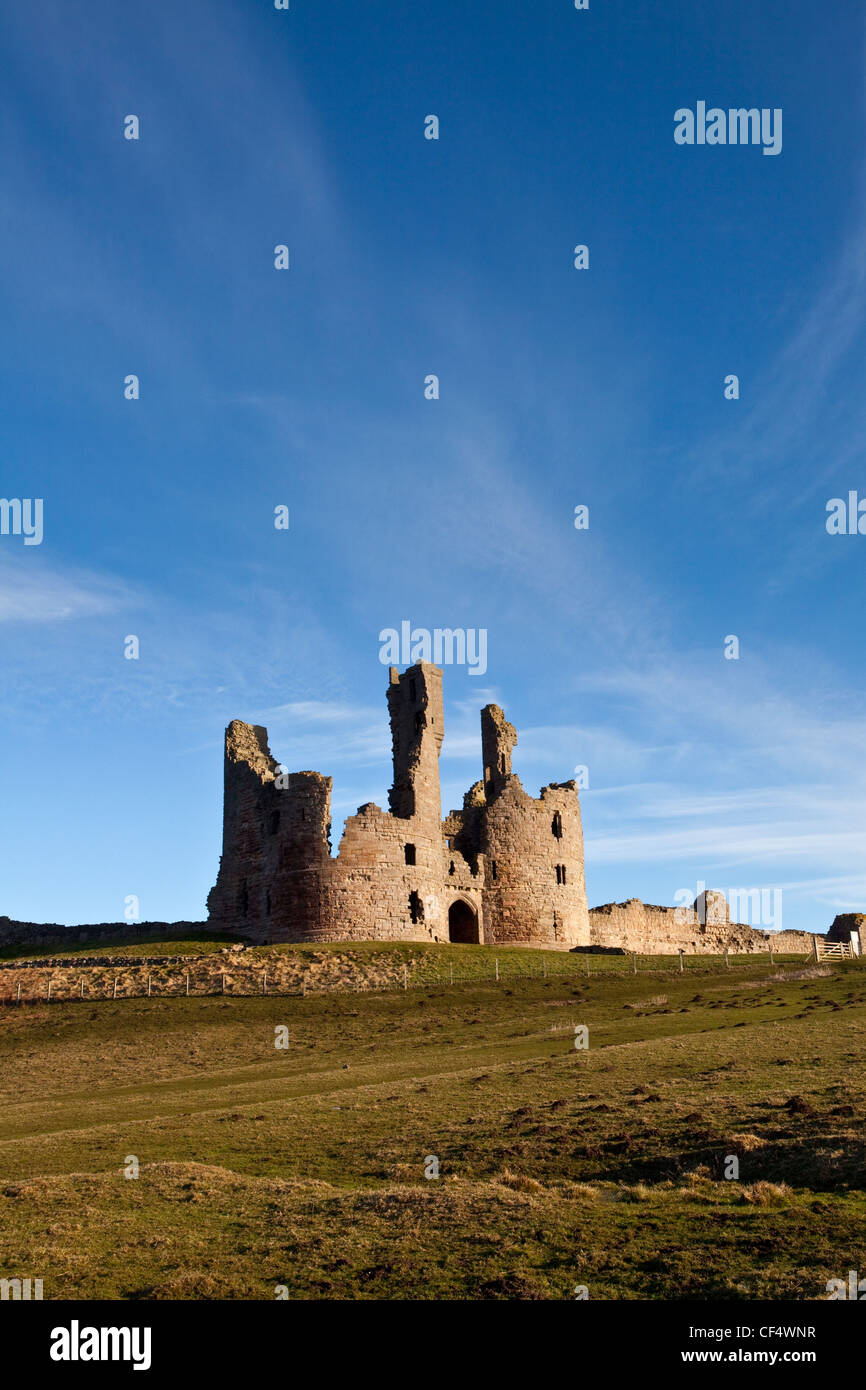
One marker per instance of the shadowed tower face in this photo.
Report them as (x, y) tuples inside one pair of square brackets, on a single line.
[(417, 725)]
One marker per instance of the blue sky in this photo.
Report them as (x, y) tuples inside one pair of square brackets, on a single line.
[(306, 388)]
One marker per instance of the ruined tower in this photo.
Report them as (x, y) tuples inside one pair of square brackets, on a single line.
[(530, 851), (248, 803), (498, 737), (417, 727), (272, 823)]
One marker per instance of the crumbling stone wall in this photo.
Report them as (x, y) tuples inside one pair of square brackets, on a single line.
[(704, 928)]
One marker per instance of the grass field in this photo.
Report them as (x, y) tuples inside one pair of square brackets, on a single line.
[(559, 1167)]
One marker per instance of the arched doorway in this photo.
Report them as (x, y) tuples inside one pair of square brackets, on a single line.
[(462, 922)]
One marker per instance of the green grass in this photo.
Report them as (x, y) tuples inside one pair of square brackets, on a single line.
[(558, 1167)]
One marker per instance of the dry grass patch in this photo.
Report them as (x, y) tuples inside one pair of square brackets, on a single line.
[(745, 1143), (519, 1182), (766, 1194)]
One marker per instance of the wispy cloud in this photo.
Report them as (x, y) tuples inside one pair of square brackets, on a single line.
[(31, 592)]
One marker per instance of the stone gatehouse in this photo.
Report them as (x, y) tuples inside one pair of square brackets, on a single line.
[(505, 869)]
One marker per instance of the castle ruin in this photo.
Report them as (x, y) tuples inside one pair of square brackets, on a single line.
[(506, 869)]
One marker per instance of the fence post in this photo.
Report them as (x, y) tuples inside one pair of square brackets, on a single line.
[(587, 963), (682, 953), (114, 995), (405, 976), (148, 986), (772, 962), (48, 997), (81, 988), (187, 981), (544, 966), (452, 972), (223, 973), (815, 945), (264, 982), (18, 994), (497, 967)]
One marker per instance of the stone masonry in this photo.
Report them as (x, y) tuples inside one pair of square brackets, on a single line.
[(703, 929), (506, 868)]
